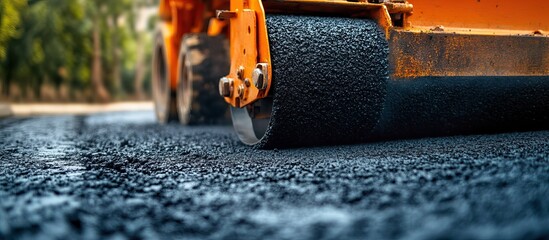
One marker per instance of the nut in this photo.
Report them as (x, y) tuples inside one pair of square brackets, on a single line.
[(260, 76), (241, 91), (225, 87)]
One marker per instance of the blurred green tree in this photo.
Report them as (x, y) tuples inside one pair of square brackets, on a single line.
[(52, 47), (114, 42), (9, 21), (80, 44)]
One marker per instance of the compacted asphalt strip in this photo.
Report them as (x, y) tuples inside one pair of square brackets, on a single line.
[(119, 175)]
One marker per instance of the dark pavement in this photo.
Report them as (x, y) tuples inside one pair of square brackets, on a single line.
[(122, 176)]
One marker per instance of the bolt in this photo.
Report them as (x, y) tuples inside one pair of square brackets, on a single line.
[(260, 76), (247, 82), (240, 73), (224, 14), (225, 87), (241, 91)]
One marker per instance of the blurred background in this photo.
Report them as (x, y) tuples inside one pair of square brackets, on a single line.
[(89, 51)]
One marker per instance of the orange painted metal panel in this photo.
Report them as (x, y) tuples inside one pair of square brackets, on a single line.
[(438, 54), (488, 14), (249, 46)]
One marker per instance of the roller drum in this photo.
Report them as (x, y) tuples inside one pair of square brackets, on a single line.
[(332, 86), (329, 78)]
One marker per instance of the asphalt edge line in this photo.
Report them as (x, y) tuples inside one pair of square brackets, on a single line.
[(5, 110), (23, 110)]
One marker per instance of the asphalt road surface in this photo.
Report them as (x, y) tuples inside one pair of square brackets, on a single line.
[(119, 175)]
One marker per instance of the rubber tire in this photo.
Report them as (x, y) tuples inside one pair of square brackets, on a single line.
[(203, 60), (164, 98)]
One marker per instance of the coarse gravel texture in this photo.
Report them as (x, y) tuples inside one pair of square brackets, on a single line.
[(329, 77), (118, 176)]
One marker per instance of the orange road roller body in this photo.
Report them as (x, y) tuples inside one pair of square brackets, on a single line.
[(496, 38)]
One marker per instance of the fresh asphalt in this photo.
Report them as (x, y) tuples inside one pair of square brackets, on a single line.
[(119, 175)]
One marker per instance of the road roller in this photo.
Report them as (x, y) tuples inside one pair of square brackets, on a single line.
[(294, 73)]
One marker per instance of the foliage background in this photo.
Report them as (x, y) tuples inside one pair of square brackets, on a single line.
[(75, 50)]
